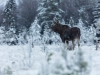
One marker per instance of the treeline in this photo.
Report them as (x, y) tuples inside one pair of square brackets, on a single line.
[(18, 18)]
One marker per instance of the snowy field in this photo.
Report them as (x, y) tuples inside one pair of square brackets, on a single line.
[(18, 60)]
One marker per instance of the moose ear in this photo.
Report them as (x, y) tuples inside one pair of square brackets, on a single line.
[(54, 22)]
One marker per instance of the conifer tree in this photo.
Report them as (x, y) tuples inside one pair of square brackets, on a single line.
[(96, 12), (48, 11), (10, 14), (10, 20)]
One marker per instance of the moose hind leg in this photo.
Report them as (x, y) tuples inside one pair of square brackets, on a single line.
[(73, 44), (78, 41)]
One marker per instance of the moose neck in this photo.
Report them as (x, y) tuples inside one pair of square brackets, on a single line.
[(60, 31)]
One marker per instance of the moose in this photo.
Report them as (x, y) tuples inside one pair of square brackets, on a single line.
[(67, 33)]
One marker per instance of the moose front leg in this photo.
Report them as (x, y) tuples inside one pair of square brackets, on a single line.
[(66, 45)]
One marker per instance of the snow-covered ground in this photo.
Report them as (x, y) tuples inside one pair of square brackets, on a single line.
[(18, 60)]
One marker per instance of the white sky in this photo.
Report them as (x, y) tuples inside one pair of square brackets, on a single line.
[(2, 2)]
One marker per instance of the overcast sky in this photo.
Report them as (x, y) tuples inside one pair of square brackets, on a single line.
[(2, 2)]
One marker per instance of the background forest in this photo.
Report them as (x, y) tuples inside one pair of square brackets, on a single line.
[(29, 47), (18, 17)]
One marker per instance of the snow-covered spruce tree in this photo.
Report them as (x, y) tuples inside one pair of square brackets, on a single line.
[(48, 11), (96, 12), (35, 33), (87, 34), (97, 36), (9, 21), (84, 16)]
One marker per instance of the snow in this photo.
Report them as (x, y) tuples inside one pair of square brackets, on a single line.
[(16, 57)]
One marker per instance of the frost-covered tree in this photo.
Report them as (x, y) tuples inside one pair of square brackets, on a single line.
[(34, 32), (10, 20), (1, 15), (84, 15), (97, 37), (87, 34), (10, 16), (96, 12), (48, 11), (73, 7)]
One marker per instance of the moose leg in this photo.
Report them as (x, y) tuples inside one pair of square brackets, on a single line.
[(66, 44), (73, 44), (97, 45), (78, 42)]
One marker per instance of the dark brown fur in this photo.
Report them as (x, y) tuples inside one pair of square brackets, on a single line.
[(66, 33)]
